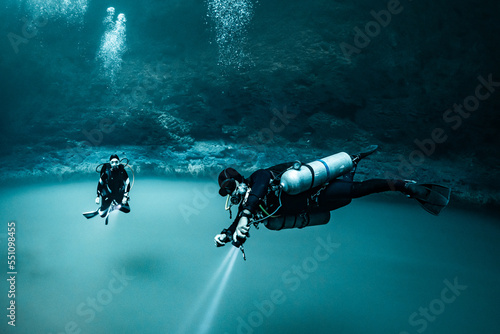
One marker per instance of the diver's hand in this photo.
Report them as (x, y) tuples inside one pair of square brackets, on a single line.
[(220, 240), (124, 200), (97, 200), (242, 228)]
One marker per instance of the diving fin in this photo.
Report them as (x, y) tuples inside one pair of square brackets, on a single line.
[(107, 215), (432, 197), (364, 153), (91, 214)]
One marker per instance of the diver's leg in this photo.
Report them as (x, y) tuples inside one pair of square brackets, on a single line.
[(125, 208), (433, 198), (103, 210), (336, 195), (294, 204), (356, 158), (360, 189), (349, 177), (340, 192)]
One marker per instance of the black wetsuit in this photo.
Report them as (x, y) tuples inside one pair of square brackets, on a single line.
[(336, 194), (113, 185)]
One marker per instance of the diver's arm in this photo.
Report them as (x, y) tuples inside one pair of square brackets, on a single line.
[(100, 185), (126, 186), (259, 182), (240, 226), (230, 230), (226, 234)]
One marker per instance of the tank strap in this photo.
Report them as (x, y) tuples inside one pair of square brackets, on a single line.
[(327, 169), (312, 174)]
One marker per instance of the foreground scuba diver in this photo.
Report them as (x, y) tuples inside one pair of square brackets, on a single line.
[(113, 188), (292, 195)]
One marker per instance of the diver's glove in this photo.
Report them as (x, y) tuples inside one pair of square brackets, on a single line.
[(125, 200), (242, 228), (220, 240), (97, 200)]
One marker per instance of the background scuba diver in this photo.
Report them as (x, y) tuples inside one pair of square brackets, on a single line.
[(267, 196), (113, 188)]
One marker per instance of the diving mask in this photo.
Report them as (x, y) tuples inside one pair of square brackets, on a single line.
[(114, 163), (239, 193)]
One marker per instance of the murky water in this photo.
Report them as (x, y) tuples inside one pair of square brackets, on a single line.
[(382, 265)]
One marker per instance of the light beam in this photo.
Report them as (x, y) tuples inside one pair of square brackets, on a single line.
[(204, 296), (206, 324)]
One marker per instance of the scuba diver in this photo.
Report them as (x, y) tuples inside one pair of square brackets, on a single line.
[(296, 195), (112, 190)]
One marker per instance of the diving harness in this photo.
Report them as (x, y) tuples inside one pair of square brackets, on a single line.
[(126, 165)]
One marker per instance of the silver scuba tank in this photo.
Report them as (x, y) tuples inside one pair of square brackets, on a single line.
[(304, 177)]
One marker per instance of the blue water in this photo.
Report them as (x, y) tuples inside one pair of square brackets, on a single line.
[(377, 262), (187, 87)]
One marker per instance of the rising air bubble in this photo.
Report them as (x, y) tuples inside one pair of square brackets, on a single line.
[(231, 19), (108, 20), (72, 11), (113, 45)]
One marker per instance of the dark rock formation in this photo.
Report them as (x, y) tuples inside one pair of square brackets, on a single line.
[(314, 78)]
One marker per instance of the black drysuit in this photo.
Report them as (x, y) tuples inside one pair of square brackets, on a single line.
[(335, 194), (114, 184)]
